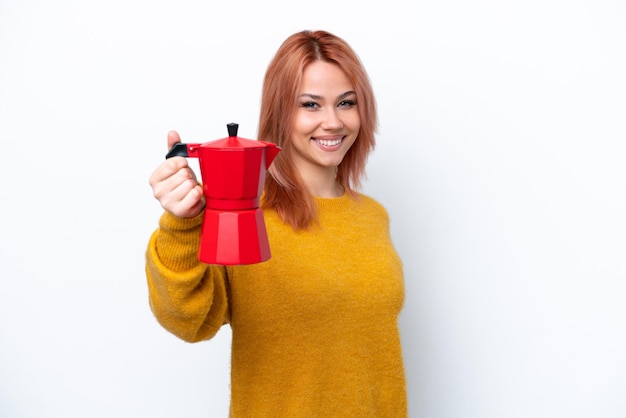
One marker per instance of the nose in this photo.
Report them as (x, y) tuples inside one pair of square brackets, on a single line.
[(332, 120)]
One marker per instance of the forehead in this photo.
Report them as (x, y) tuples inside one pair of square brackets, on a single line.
[(322, 76)]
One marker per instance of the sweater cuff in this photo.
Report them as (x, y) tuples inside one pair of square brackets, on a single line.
[(172, 222), (177, 241)]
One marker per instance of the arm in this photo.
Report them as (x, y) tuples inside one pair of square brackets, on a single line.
[(188, 298)]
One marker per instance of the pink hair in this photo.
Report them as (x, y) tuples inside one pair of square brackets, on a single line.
[(284, 189)]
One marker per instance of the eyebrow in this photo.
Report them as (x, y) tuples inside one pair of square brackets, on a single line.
[(318, 97)]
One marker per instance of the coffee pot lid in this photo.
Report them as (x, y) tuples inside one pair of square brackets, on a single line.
[(235, 142)]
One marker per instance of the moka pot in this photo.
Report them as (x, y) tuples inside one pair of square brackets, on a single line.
[(233, 173)]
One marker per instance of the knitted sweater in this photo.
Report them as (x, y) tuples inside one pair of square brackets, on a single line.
[(314, 329)]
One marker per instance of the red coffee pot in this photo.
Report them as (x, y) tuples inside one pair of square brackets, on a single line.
[(233, 174)]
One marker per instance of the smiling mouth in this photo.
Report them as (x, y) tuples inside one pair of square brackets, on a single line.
[(329, 142)]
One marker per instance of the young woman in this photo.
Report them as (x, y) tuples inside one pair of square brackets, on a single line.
[(314, 329)]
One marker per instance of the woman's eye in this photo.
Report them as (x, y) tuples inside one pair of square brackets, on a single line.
[(309, 105), (347, 103)]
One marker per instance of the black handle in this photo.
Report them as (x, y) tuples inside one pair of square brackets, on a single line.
[(178, 150)]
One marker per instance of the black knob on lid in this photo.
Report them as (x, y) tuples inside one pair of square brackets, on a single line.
[(232, 129)]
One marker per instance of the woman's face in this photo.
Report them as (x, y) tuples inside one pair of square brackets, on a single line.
[(327, 121)]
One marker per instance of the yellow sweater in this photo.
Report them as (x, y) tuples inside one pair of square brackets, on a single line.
[(314, 329)]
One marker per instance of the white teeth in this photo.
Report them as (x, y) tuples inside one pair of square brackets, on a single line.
[(328, 142)]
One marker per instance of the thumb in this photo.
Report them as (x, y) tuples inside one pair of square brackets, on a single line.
[(172, 139)]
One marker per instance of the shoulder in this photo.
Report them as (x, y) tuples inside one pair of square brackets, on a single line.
[(371, 204), (369, 200)]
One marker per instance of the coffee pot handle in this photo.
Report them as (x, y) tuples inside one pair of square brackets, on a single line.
[(178, 150)]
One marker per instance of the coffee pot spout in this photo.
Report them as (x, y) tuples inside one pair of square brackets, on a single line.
[(271, 153)]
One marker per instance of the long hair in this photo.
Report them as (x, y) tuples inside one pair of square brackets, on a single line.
[(285, 191)]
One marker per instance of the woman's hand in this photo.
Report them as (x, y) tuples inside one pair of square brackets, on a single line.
[(175, 186)]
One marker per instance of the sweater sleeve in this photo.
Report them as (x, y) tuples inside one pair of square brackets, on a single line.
[(187, 297)]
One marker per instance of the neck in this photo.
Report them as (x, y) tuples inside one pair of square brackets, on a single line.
[(323, 184)]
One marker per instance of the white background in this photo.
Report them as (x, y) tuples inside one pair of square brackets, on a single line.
[(500, 159)]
